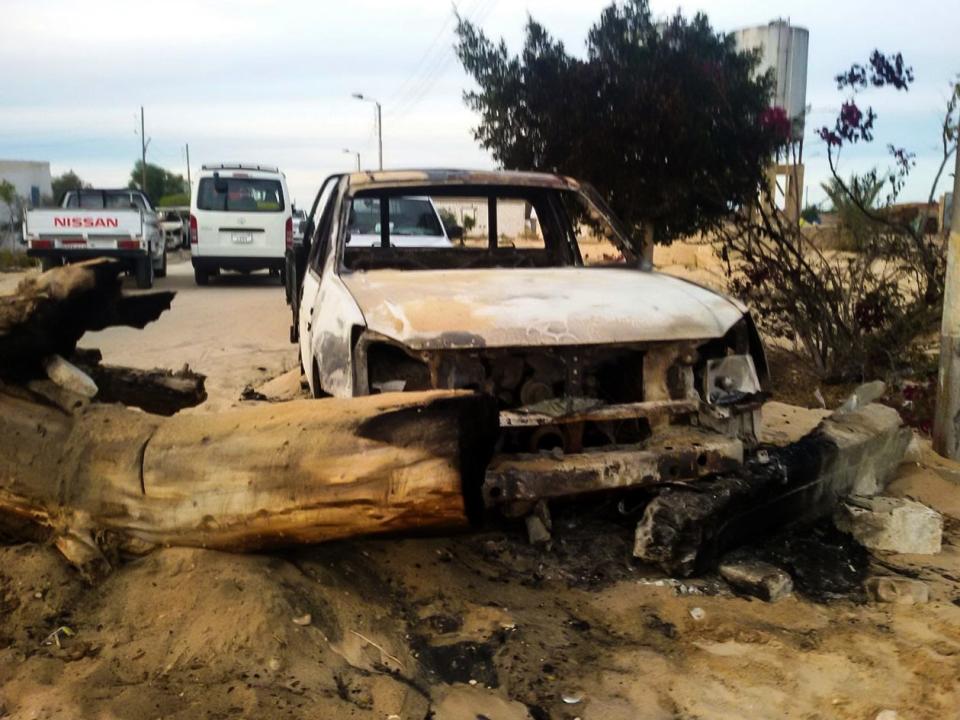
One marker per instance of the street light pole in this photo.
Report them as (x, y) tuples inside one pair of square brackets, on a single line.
[(361, 96), (379, 134), (348, 151)]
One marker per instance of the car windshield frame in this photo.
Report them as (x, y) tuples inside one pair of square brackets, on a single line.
[(559, 236)]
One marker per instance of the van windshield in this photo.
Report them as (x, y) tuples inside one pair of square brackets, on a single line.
[(240, 195)]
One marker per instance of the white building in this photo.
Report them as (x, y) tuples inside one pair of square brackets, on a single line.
[(783, 49), (515, 218), (31, 180)]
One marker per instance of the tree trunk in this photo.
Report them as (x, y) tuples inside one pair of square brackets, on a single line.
[(297, 472)]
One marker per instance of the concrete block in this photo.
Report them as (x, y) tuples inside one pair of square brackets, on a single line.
[(895, 524), (757, 578), (898, 590), (537, 531), (871, 443)]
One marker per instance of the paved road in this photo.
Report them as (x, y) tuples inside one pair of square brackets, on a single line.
[(235, 331)]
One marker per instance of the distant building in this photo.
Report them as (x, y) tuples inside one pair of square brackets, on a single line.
[(30, 178), (515, 218), (783, 49)]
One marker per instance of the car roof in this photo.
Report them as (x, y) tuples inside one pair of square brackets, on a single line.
[(452, 177)]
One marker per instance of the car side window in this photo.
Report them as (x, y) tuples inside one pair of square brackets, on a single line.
[(321, 223)]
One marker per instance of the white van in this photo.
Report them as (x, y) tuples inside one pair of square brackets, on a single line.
[(240, 219)]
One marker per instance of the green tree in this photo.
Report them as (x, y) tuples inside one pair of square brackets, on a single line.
[(178, 200), (810, 215), (66, 182), (11, 201), (668, 120), (853, 200), (447, 218), (160, 182)]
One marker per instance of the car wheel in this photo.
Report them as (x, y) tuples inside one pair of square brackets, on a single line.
[(144, 272), (48, 263), (201, 277), (161, 272)]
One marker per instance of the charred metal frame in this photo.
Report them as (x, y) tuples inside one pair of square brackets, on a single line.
[(677, 454), (677, 436)]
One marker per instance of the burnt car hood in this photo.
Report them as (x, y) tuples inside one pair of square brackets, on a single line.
[(430, 309)]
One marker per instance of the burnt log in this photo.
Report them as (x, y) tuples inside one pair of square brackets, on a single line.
[(106, 477), (686, 527), (157, 391), (48, 313)]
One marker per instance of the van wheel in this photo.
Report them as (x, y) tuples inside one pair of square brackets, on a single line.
[(48, 263), (161, 272), (202, 277), (145, 273)]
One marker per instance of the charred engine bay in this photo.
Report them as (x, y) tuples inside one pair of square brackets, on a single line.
[(560, 382)]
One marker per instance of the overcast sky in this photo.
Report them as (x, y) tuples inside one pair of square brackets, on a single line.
[(270, 82)]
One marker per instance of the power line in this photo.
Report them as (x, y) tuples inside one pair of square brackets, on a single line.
[(476, 15), (399, 92)]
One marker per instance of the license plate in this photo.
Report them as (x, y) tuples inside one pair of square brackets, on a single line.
[(243, 238)]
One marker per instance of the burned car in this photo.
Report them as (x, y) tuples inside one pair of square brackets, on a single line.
[(523, 286)]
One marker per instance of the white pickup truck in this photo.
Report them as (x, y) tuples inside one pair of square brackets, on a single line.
[(120, 224)]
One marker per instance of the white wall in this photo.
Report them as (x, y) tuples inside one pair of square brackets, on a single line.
[(25, 175), (512, 218)]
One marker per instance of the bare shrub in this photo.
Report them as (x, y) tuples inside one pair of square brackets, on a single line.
[(853, 314)]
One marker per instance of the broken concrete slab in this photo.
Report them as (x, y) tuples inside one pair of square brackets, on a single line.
[(872, 442), (687, 525), (537, 531), (895, 524), (757, 578), (897, 590)]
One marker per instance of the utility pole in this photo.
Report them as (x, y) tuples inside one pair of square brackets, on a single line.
[(361, 96), (946, 420), (189, 184), (143, 154)]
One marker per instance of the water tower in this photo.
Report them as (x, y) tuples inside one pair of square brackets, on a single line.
[(783, 49)]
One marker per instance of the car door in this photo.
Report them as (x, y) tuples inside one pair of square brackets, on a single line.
[(328, 312), (299, 254)]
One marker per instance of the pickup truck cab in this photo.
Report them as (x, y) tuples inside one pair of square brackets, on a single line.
[(240, 219), (120, 224)]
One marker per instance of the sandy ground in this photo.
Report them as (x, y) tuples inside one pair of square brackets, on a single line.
[(480, 625)]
